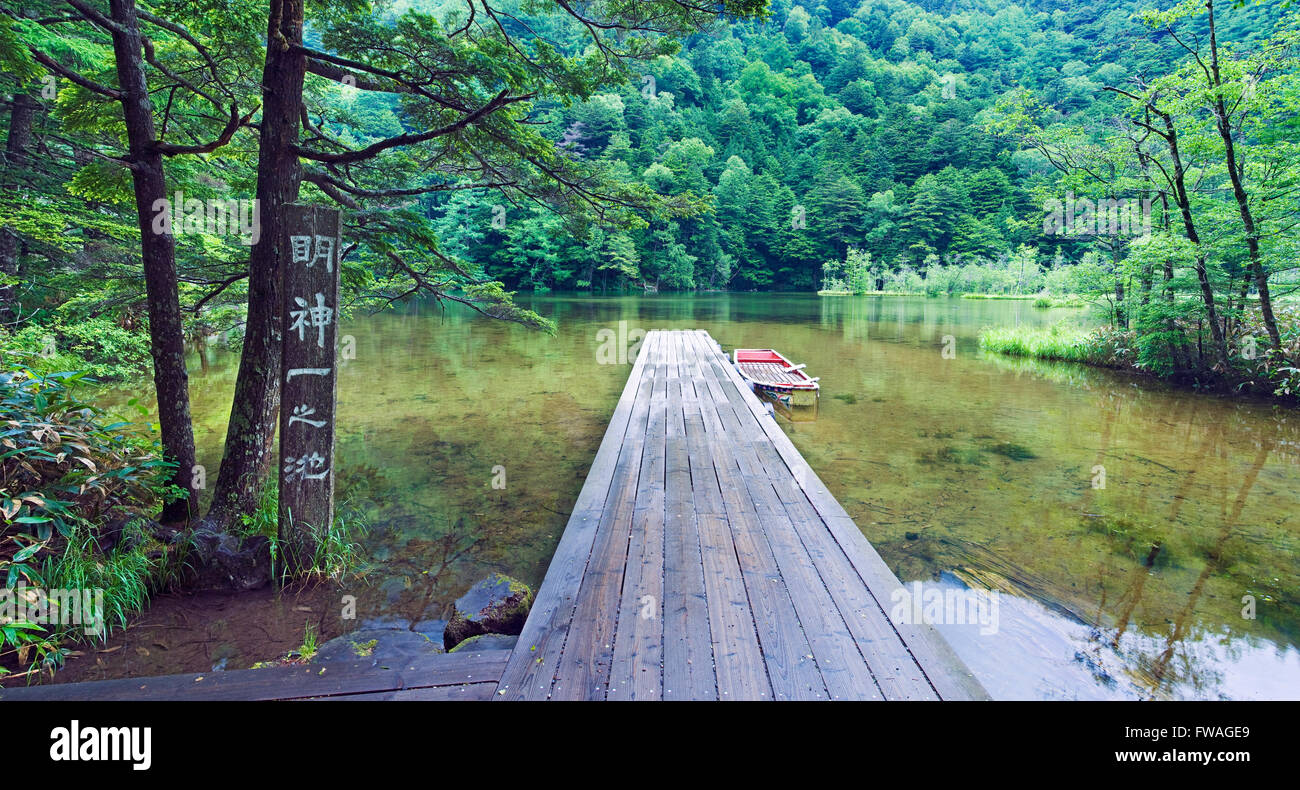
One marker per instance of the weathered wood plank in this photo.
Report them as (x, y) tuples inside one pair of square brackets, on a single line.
[(474, 692), (688, 641), (530, 672), (841, 618), (283, 683), (791, 665), (636, 672), (582, 672)]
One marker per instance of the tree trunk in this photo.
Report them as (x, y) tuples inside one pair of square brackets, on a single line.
[(158, 250), (251, 433), (1169, 262), (16, 147), (1189, 227), (1224, 125), (1121, 311)]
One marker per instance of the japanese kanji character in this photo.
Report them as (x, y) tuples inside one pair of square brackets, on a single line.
[(317, 317)]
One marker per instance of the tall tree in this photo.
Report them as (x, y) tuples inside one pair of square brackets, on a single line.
[(144, 159)]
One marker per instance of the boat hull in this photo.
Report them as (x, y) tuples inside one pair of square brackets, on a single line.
[(767, 371)]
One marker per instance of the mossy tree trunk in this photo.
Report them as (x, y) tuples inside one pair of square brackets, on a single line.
[(158, 250), (251, 432)]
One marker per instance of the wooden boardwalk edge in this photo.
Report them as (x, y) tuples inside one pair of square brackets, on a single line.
[(469, 675)]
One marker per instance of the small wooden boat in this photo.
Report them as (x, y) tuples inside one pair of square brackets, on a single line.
[(767, 371)]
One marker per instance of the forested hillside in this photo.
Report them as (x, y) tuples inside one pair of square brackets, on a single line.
[(841, 124)]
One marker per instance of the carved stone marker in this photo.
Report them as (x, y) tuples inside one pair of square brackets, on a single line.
[(307, 380)]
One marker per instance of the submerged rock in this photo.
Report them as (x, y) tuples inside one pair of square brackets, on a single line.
[(433, 629), (382, 646), (486, 642), (495, 605), (385, 624)]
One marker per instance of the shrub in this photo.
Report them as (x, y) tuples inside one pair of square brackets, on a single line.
[(97, 346), (1276, 367), (65, 471), (336, 552)]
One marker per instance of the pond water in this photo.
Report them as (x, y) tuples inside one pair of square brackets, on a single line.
[(1126, 527)]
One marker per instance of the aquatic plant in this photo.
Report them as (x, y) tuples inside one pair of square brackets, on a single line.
[(1016, 452)]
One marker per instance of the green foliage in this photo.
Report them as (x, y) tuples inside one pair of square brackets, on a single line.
[(63, 466), (65, 473), (99, 347)]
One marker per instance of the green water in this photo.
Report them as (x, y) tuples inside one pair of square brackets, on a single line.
[(961, 469)]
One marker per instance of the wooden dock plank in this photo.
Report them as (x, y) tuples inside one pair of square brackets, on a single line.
[(807, 552), (530, 672), (582, 670), (473, 692), (636, 672), (791, 664), (305, 681), (688, 644), (947, 675), (739, 666), (842, 666)]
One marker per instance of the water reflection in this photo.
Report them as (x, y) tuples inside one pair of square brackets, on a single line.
[(1040, 653)]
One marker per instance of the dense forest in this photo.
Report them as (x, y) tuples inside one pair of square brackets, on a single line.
[(880, 125)]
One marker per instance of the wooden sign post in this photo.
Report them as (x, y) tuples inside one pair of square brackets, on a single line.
[(307, 380)]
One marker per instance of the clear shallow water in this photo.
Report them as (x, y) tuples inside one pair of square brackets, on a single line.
[(969, 470)]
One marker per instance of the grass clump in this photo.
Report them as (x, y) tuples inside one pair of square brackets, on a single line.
[(335, 551), (1059, 342)]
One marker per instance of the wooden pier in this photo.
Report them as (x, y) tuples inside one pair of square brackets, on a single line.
[(704, 559)]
